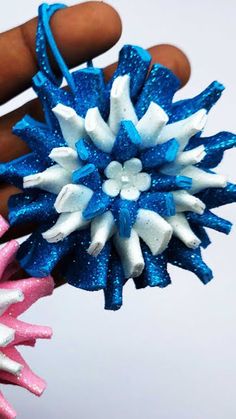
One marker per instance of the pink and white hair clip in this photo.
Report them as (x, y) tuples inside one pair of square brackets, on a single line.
[(15, 298)]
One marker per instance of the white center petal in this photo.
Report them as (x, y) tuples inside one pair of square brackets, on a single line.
[(133, 166), (130, 193), (126, 180), (111, 187), (113, 170), (142, 181)]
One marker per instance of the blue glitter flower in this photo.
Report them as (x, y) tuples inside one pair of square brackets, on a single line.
[(119, 179)]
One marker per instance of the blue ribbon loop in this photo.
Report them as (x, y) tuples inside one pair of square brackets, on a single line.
[(45, 39)]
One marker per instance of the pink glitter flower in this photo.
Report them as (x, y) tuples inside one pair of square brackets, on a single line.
[(15, 298)]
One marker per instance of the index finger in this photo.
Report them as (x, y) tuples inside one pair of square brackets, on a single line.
[(89, 29)]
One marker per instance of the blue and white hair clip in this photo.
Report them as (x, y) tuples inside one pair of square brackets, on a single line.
[(119, 180)]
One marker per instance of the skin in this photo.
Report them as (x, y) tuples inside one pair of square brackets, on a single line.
[(94, 28)]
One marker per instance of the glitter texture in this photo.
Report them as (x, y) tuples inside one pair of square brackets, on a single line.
[(15, 298), (119, 179)]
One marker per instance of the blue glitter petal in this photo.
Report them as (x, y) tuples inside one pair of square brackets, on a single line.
[(155, 272), (37, 136), (216, 197), (159, 155), (127, 142), (160, 202), (115, 282), (97, 205), (189, 259), (206, 99), (88, 176), (85, 271), (50, 96), (208, 219), (134, 61), (125, 213), (93, 89), (160, 87), (165, 183), (88, 153), (13, 172), (31, 206), (214, 147), (38, 257), (219, 142)]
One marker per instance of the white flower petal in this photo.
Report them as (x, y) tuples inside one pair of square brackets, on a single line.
[(190, 157), (133, 166), (99, 131), (66, 157), (130, 254), (183, 231), (51, 180), (131, 193), (114, 170), (153, 230), (111, 187), (7, 335), (71, 124), (102, 228), (73, 198), (121, 106), (66, 224), (202, 180), (151, 124), (8, 365), (183, 130), (186, 202), (142, 181)]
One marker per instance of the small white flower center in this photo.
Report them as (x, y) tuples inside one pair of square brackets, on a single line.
[(128, 180), (125, 179)]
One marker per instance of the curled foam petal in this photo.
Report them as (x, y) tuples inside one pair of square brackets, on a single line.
[(102, 228), (121, 107), (99, 131), (71, 124), (183, 231), (151, 124), (66, 157), (185, 129), (186, 202), (130, 253), (51, 180), (153, 230), (203, 180), (67, 223), (73, 198)]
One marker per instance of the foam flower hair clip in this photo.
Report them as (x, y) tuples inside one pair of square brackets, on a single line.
[(15, 298), (120, 179)]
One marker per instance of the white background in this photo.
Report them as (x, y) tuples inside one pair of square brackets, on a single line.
[(167, 354)]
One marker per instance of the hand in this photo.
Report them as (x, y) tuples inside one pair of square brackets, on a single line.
[(82, 32)]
